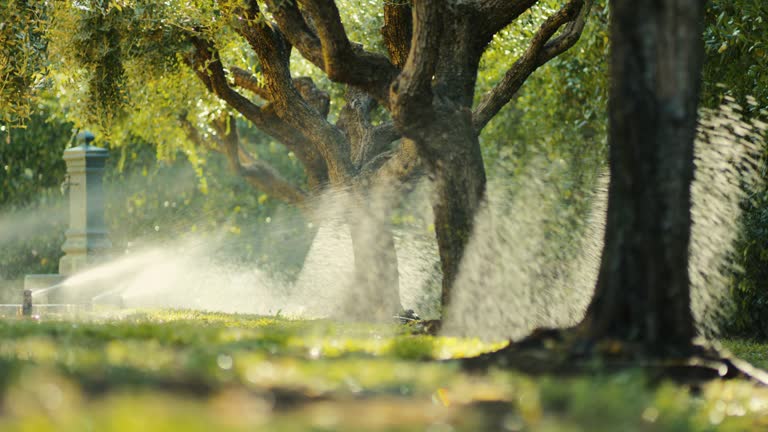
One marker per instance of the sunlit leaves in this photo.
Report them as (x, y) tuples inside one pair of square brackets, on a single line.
[(22, 58), (736, 39)]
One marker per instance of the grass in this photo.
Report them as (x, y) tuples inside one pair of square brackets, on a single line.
[(170, 371), (751, 351)]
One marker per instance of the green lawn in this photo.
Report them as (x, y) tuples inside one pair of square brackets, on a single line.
[(183, 371)]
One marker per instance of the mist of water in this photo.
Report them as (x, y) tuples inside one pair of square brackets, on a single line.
[(511, 283), (513, 277), (727, 171), (23, 223), (532, 260), (197, 270)]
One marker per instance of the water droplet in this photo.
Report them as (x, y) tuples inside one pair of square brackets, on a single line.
[(224, 361), (314, 352), (650, 414)]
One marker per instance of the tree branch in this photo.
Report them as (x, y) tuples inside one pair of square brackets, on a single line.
[(246, 80), (570, 34), (501, 13), (209, 69), (542, 48), (398, 166), (270, 46), (397, 31), (343, 61), (355, 121), (257, 173), (316, 98), (291, 22), (366, 140), (207, 66), (384, 135), (274, 54), (411, 93)]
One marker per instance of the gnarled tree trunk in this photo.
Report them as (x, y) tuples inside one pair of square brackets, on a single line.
[(426, 83), (432, 102), (459, 183)]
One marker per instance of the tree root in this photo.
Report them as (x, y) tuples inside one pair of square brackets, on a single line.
[(568, 352)]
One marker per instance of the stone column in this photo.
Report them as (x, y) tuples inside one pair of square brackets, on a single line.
[(87, 239)]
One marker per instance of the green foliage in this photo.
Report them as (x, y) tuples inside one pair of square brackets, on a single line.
[(32, 160), (101, 51), (22, 57), (31, 172), (750, 286), (554, 131), (736, 40)]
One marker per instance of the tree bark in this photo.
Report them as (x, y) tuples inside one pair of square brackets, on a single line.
[(642, 294), (459, 182)]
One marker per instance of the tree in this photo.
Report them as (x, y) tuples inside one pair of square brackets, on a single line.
[(641, 309), (410, 103), (433, 96), (642, 293)]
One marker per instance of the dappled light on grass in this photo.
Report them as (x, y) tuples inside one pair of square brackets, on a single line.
[(192, 371)]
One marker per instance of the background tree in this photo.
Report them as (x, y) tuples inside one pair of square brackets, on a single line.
[(423, 80), (432, 102)]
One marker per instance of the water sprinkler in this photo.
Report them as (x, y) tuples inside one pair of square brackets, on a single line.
[(26, 305), (407, 316), (87, 241)]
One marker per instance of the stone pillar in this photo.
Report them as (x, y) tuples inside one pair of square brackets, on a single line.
[(87, 239)]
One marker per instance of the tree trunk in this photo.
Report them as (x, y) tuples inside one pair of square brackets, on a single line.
[(376, 294), (642, 294), (376, 291), (459, 190), (442, 128)]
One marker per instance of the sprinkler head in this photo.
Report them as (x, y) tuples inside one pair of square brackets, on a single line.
[(407, 316), (26, 306)]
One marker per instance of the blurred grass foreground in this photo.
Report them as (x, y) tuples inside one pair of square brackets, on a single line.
[(191, 371)]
